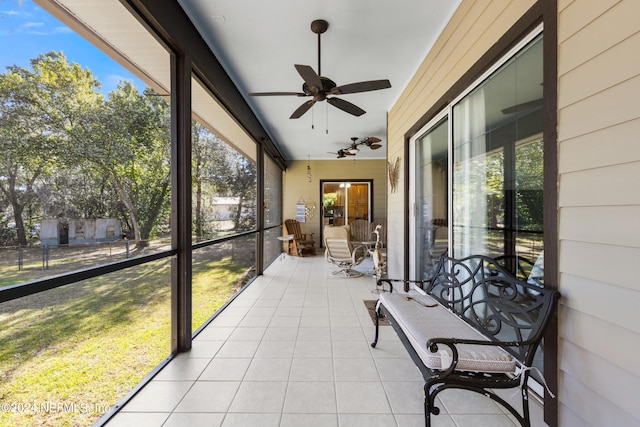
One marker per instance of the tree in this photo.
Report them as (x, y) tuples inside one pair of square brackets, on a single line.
[(220, 170), (207, 158), (37, 107), (242, 184), (69, 152), (127, 141)]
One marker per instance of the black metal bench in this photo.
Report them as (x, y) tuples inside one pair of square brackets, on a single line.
[(477, 327)]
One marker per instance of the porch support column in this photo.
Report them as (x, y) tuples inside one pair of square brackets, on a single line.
[(181, 289), (260, 237)]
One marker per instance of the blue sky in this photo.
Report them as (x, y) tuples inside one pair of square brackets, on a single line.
[(27, 30)]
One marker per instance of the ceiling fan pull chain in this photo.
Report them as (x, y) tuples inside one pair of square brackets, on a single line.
[(326, 107)]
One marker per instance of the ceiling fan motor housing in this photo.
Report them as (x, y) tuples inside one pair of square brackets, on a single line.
[(319, 26), (319, 95)]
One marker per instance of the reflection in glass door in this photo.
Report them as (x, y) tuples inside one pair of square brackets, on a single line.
[(498, 157), (430, 199)]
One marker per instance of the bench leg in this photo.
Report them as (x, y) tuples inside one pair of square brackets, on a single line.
[(428, 409), (375, 339), (430, 402)]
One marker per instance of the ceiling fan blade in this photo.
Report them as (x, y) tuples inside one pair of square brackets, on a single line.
[(302, 109), (346, 106), (529, 105), (375, 146), (341, 154), (371, 139), (277, 94), (361, 87), (309, 76)]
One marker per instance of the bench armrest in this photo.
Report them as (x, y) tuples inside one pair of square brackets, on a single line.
[(406, 282)]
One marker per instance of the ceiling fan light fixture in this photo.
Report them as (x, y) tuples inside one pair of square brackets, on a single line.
[(352, 150)]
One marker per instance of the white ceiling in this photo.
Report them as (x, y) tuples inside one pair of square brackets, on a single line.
[(258, 42)]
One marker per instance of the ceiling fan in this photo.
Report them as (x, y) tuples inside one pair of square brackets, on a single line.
[(523, 107), (322, 88), (352, 150)]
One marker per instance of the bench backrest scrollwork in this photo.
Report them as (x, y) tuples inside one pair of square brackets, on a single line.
[(501, 306)]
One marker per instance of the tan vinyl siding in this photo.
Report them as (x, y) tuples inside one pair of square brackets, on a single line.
[(603, 186), (599, 211), (605, 225), (296, 184), (589, 152), (588, 404)]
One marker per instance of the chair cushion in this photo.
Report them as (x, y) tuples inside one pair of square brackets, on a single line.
[(420, 323)]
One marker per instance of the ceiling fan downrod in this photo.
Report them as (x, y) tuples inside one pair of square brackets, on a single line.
[(319, 26)]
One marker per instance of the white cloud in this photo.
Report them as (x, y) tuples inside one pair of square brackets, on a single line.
[(33, 24), (62, 30), (36, 29)]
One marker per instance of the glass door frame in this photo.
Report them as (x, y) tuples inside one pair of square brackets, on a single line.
[(413, 235), (368, 182)]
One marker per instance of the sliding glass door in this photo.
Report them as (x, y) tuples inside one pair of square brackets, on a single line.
[(498, 157), (478, 172)]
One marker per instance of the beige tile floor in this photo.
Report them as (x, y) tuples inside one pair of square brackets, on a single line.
[(293, 350)]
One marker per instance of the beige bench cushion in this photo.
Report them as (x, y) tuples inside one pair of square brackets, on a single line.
[(421, 323)]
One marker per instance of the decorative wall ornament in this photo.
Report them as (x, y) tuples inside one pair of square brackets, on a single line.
[(309, 206), (301, 210), (394, 174), (310, 209)]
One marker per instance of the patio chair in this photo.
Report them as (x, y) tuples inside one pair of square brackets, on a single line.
[(341, 253), (302, 243), (361, 232)]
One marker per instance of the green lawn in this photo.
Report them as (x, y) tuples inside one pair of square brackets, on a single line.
[(67, 355)]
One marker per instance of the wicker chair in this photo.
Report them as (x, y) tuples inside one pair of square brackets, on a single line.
[(302, 243)]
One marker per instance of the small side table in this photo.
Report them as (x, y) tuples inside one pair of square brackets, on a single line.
[(369, 244), (286, 238)]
